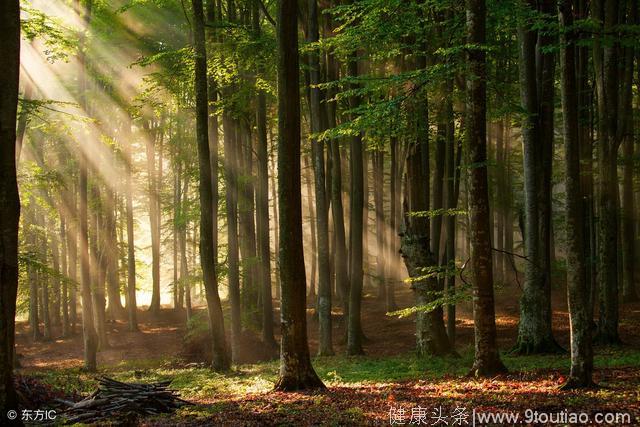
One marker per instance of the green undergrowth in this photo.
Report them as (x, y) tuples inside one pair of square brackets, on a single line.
[(200, 383)]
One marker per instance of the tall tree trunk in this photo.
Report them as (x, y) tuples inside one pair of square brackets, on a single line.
[(115, 309), (337, 208), (312, 225), (246, 223), (32, 275), (9, 198), (72, 248), (185, 280), (628, 233), (64, 267), (605, 59), (56, 290), (233, 276), (90, 339), (378, 195), (43, 278), (319, 124), (354, 327), (585, 119), (486, 360), (536, 87), (392, 239), (220, 360), (97, 266), (150, 141), (262, 204), (580, 323), (132, 308), (276, 231), (451, 199), (431, 336), (296, 372)]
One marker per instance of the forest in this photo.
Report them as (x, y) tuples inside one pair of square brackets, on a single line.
[(320, 212)]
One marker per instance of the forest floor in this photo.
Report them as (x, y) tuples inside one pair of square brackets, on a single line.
[(389, 385)]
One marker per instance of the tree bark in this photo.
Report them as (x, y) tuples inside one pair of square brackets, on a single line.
[(296, 372), (536, 86), (220, 360), (9, 198), (262, 205), (486, 360), (605, 59), (319, 124), (132, 308), (580, 323), (354, 327)]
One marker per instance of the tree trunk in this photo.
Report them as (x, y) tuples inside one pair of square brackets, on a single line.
[(451, 200), (132, 308), (581, 350), (312, 225), (262, 206), (536, 86), (319, 124), (296, 372), (246, 224), (431, 336), (220, 360), (88, 330), (233, 276), (354, 327), (605, 59), (628, 234), (486, 360), (378, 195), (97, 267), (150, 141), (9, 198), (64, 265)]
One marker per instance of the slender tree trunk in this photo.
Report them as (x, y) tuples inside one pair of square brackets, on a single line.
[(56, 288), (451, 200), (605, 59), (486, 360), (628, 233), (392, 255), (233, 276), (132, 308), (378, 191), (150, 142), (64, 266), (115, 309), (536, 86), (220, 360), (296, 372), (276, 231), (246, 224), (9, 198), (581, 350), (319, 124), (96, 242), (312, 225), (262, 205), (354, 327), (34, 321), (72, 248), (88, 329)]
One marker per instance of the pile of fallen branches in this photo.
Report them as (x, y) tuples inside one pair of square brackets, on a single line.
[(115, 399)]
